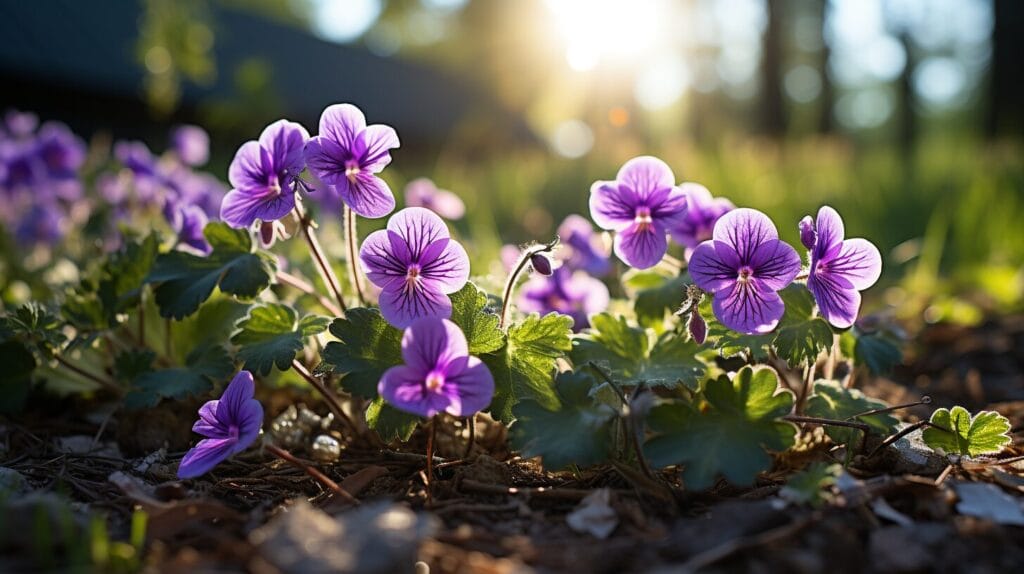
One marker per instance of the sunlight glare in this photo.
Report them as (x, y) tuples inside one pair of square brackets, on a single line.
[(595, 31)]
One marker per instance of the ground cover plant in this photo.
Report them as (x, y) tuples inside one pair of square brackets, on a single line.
[(665, 350)]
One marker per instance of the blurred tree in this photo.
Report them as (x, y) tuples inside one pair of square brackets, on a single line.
[(826, 98), (773, 117), (1006, 82)]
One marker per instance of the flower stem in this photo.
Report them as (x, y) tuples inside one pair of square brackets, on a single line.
[(101, 381), (471, 423), (429, 480), (328, 396), (326, 273), (352, 244), (679, 264), (300, 284), (313, 472), (517, 270)]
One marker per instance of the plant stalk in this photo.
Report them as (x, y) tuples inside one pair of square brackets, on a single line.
[(300, 284), (513, 277), (313, 472), (352, 244), (320, 258)]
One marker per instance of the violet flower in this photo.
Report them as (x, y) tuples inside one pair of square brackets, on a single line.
[(262, 175), (188, 222), (191, 144), (582, 248), (439, 374), (416, 264), (43, 222), (575, 294), (348, 154), (744, 264), (840, 268), (702, 212), (422, 192), (230, 424), (640, 206)]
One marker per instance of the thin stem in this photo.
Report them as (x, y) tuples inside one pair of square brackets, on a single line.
[(101, 381), (925, 400), (168, 338), (300, 284), (313, 472), (679, 264), (429, 480), (352, 244), (326, 273), (513, 277), (471, 423), (906, 430), (800, 277), (328, 396)]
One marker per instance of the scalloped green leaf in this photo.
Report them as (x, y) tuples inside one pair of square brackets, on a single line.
[(186, 280), (389, 422), (634, 356), (366, 347), (203, 366), (731, 436), (987, 432), (878, 351), (270, 335), (35, 327), (656, 296), (831, 401), (470, 313), (578, 431)]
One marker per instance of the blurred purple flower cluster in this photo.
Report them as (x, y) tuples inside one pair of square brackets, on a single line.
[(39, 184)]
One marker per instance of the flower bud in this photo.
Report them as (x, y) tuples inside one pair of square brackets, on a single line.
[(698, 328), (541, 264), (808, 236)]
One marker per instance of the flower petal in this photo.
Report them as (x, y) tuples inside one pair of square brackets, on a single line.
[(775, 264), (645, 175), (400, 307), (342, 123), (830, 230), (744, 229), (710, 271), (838, 301), (247, 168), (204, 456), (668, 206), (367, 195), (384, 267), (431, 343), (404, 388), (240, 390), (242, 207), (748, 308), (471, 381), (208, 424), (859, 262), (612, 206), (326, 160), (641, 246), (377, 140), (419, 227), (445, 266), (284, 141)]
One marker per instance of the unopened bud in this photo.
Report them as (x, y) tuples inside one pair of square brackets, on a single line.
[(541, 264), (698, 328), (808, 236)]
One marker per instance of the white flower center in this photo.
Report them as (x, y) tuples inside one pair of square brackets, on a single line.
[(434, 381), (643, 218)]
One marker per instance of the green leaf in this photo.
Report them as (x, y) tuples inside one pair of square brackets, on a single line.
[(877, 351), (203, 366), (525, 366), (985, 433), (729, 438), (808, 486), (729, 343), (131, 364), (270, 335), (187, 280), (124, 275), (469, 312), (831, 401), (578, 431), (367, 346), (631, 357), (36, 327), (657, 298), (800, 336), (18, 363), (389, 422)]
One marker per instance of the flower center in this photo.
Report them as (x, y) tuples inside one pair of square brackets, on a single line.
[(412, 275), (233, 432), (744, 274), (434, 381), (274, 185), (643, 218), (821, 267), (351, 170)]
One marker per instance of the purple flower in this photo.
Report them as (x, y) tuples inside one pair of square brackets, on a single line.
[(423, 193), (230, 424), (348, 154), (416, 264), (840, 269), (188, 221), (744, 264), (20, 124), (262, 175), (42, 223), (640, 206), (439, 375), (702, 211), (191, 144), (582, 248), (808, 235), (575, 294)]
